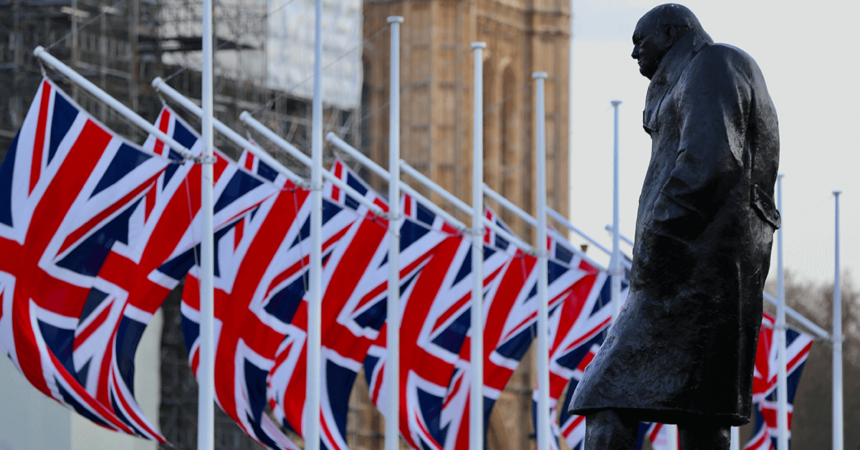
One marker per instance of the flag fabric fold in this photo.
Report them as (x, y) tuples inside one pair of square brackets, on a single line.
[(568, 361), (69, 189), (343, 267), (128, 290), (435, 322), (510, 327), (355, 290), (262, 263), (577, 329)]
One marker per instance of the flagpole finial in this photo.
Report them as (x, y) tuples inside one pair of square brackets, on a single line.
[(615, 103), (395, 19), (479, 45), (537, 75), (780, 176), (836, 193)]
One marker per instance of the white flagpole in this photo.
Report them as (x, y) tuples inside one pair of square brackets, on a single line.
[(206, 369), (433, 187), (312, 402), (782, 378), (125, 111), (615, 265), (543, 325), (162, 87), (476, 393), (838, 436), (736, 438), (392, 366)]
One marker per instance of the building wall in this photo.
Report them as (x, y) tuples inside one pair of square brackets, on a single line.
[(436, 91), (436, 135), (28, 419)]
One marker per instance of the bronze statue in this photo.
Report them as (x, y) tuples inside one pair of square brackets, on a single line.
[(683, 348)]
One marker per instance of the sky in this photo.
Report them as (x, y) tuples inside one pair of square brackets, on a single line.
[(808, 54)]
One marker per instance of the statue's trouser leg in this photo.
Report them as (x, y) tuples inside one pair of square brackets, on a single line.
[(608, 429), (704, 437)]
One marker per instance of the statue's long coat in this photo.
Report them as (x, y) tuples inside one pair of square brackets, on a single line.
[(683, 348)]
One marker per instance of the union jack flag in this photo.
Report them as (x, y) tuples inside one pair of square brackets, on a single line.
[(576, 334), (126, 295), (798, 344), (260, 279), (69, 189), (287, 381), (577, 329), (509, 328), (354, 306), (435, 323)]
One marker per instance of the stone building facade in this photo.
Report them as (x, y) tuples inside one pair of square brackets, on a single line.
[(522, 37)]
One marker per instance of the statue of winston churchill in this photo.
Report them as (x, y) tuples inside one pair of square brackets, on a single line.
[(682, 350)]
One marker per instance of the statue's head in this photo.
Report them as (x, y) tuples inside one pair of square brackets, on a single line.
[(657, 31)]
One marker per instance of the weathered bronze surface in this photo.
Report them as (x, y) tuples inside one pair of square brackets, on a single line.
[(683, 348)]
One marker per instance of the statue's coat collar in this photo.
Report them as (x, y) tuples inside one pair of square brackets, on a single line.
[(668, 73)]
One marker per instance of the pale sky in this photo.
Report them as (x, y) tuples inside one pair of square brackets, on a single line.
[(808, 54)]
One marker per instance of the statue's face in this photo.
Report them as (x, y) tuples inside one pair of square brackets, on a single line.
[(650, 44)]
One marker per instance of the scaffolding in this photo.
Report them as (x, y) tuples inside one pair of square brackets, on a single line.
[(117, 51), (126, 44)]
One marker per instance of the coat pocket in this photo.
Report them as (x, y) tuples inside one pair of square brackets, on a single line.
[(765, 206)]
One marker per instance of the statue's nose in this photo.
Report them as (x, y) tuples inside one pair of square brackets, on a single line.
[(635, 54)]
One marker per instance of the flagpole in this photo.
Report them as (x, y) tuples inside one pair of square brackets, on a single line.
[(159, 85), (736, 438), (314, 339), (615, 264), (206, 368), (543, 325), (566, 223), (116, 105), (782, 377), (838, 417), (392, 366), (476, 393)]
